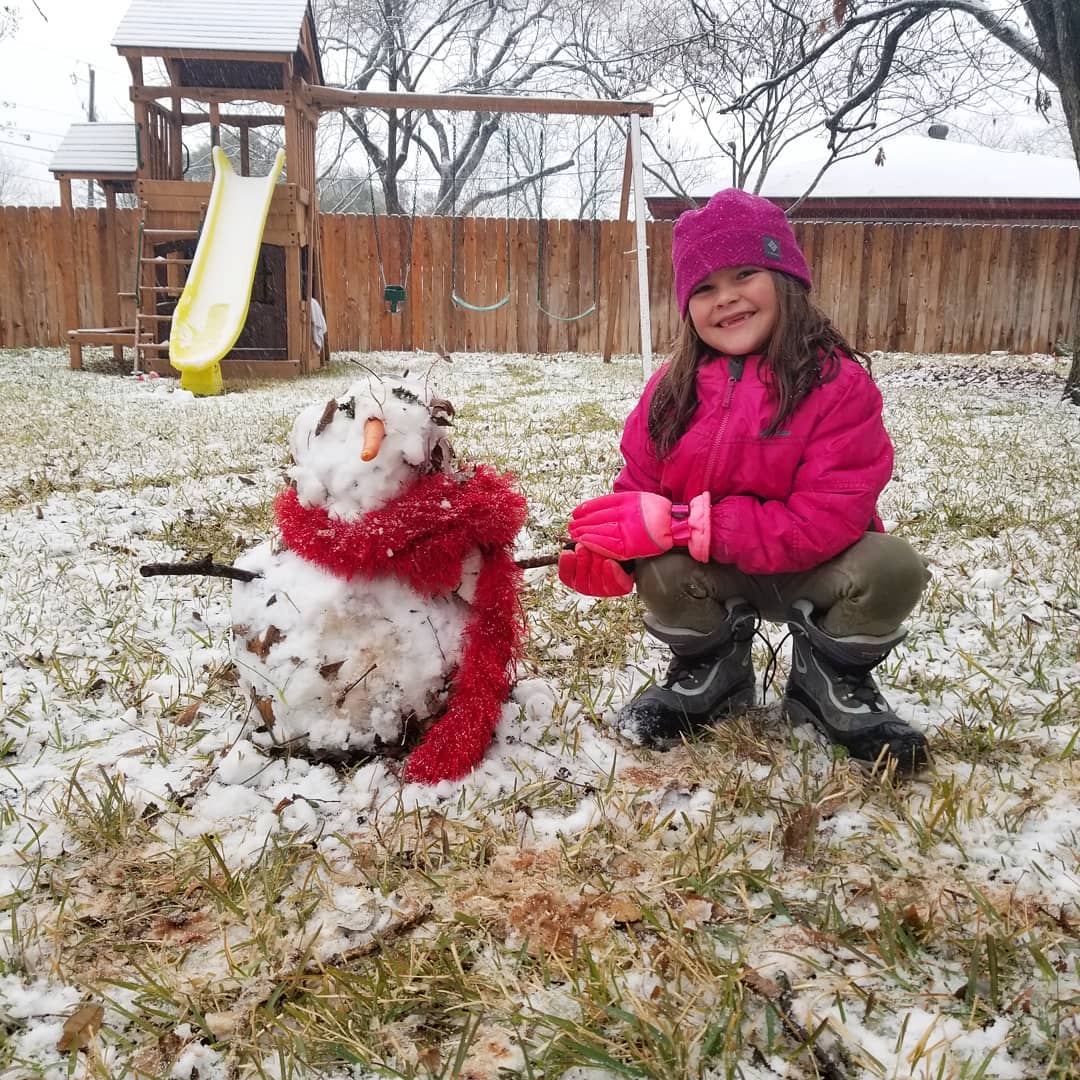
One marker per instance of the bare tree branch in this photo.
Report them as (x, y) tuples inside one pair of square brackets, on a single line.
[(463, 46), (885, 62), (1002, 30)]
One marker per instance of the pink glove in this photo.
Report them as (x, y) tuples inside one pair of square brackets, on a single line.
[(586, 572), (640, 525)]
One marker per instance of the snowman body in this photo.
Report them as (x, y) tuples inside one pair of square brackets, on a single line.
[(338, 664)]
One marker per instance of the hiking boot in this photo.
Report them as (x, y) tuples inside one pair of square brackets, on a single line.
[(710, 676), (831, 687)]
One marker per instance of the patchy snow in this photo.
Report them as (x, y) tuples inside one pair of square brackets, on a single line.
[(123, 683)]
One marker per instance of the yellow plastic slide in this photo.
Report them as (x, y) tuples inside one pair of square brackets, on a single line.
[(213, 308)]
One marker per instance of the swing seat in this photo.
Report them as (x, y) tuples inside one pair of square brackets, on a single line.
[(394, 295)]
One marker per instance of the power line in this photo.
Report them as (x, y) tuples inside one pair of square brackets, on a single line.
[(18, 129), (50, 52), (27, 146), (25, 176), (601, 169), (35, 108)]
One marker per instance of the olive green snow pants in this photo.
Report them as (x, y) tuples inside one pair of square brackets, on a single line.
[(868, 589)]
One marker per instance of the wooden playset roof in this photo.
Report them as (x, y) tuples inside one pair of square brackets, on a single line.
[(212, 26), (97, 151)]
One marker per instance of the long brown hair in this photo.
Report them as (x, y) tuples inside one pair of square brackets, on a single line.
[(801, 353)]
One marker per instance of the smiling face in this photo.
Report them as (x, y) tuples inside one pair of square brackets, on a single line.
[(734, 310)]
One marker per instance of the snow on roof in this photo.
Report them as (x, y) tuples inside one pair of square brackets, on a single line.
[(102, 149), (918, 167), (271, 26)]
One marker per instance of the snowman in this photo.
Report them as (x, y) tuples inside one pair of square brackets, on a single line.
[(388, 595)]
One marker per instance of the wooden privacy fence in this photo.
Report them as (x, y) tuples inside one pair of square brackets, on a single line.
[(915, 288)]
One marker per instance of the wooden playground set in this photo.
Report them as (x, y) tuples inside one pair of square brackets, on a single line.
[(186, 250)]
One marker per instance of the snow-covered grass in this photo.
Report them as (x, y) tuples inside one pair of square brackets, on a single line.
[(177, 904)]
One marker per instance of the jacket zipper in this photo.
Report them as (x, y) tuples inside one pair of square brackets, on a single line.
[(736, 365)]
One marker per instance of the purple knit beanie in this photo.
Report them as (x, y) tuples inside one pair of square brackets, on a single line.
[(733, 228)]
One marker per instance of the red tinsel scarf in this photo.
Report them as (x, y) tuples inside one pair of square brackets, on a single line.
[(422, 538)]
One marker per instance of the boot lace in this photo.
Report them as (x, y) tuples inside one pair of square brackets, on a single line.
[(686, 667), (769, 674), (860, 687), (683, 667)]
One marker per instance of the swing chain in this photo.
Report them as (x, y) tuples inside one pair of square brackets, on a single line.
[(540, 241), (394, 294), (460, 301)]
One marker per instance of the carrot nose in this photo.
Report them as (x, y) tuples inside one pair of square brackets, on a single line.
[(374, 433)]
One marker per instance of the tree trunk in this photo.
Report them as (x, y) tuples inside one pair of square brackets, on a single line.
[(1070, 106), (1056, 25), (1072, 380)]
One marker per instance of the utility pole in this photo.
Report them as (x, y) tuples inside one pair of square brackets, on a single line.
[(91, 115)]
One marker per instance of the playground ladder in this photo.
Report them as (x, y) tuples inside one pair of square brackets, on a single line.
[(152, 327)]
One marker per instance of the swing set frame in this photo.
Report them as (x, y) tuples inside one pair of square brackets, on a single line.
[(321, 99)]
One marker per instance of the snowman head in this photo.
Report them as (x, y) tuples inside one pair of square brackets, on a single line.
[(364, 448)]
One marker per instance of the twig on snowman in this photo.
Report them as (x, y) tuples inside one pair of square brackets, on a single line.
[(531, 562), (208, 568), (352, 686), (204, 566)]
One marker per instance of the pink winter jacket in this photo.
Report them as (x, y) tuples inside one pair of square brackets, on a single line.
[(780, 504)]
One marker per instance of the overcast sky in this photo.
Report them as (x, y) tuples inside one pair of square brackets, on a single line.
[(45, 82)]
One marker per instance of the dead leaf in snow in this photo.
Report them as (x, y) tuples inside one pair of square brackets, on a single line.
[(80, 1028)]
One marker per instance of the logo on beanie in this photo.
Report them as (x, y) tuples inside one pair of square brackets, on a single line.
[(772, 247)]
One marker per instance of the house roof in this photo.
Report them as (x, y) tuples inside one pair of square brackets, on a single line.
[(98, 149), (264, 26), (914, 166)]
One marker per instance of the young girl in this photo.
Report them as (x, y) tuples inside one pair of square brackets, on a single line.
[(754, 461)]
